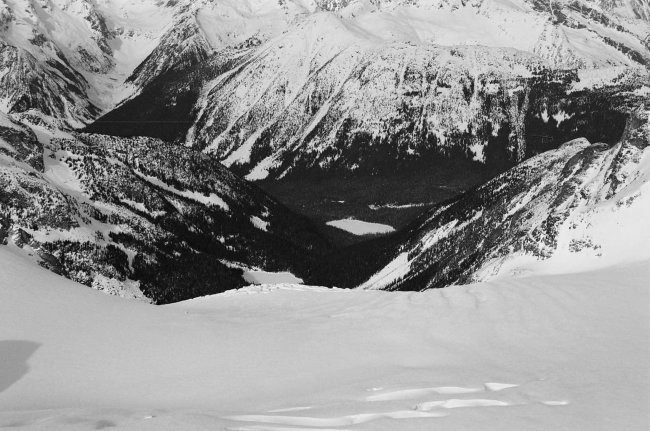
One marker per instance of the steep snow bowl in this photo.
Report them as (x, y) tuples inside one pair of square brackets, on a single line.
[(565, 352)]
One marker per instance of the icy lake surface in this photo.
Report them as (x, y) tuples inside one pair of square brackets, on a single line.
[(358, 227)]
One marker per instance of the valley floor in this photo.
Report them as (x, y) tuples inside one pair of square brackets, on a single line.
[(559, 352), (393, 199)]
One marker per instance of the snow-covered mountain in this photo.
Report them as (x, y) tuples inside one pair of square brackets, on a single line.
[(203, 40), (377, 82), (578, 207), (138, 216), (75, 59), (275, 88), (70, 58)]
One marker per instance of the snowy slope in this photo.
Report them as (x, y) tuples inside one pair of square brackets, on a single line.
[(567, 33), (579, 207), (564, 352), (139, 216)]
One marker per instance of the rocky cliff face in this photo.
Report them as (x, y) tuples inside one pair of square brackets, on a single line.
[(582, 204), (140, 217)]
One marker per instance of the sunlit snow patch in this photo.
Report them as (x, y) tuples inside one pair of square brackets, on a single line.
[(358, 227), (395, 270), (478, 152), (263, 277), (260, 224)]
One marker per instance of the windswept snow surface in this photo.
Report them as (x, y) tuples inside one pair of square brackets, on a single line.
[(359, 227), (560, 352)]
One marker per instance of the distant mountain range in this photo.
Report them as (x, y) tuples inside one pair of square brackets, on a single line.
[(275, 87)]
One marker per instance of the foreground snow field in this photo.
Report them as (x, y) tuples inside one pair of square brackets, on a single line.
[(561, 352)]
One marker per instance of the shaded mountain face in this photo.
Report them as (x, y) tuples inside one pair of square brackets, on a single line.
[(139, 217), (579, 205), (164, 107)]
